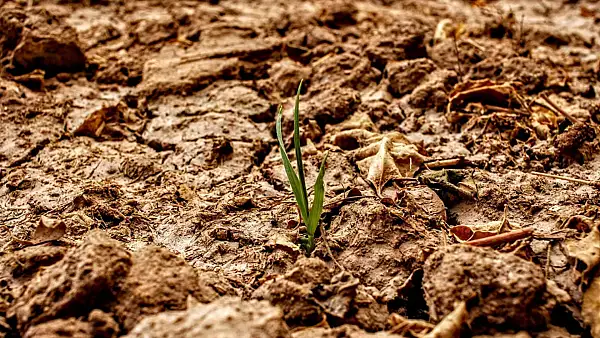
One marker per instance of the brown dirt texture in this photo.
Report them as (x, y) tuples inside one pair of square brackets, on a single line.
[(142, 191)]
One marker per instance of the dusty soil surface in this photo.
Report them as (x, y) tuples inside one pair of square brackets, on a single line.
[(142, 193)]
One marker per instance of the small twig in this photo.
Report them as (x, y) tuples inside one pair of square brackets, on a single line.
[(520, 40), (523, 102), (505, 110), (548, 251), (39, 146), (570, 179), (558, 109), (460, 72), (94, 170), (329, 249), (446, 163), (506, 237)]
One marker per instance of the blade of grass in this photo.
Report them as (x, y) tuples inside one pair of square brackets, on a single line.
[(297, 144), (317, 207), (299, 193)]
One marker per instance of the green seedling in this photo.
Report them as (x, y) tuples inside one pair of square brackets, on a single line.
[(311, 216)]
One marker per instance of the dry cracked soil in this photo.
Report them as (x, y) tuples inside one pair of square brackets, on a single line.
[(142, 193)]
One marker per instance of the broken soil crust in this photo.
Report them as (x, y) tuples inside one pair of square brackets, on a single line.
[(142, 192)]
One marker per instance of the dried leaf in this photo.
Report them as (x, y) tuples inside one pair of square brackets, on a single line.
[(381, 158), (485, 91), (382, 168), (451, 325), (590, 309), (47, 230), (465, 233), (586, 251), (282, 242), (388, 157), (112, 122), (442, 31), (446, 29), (403, 325)]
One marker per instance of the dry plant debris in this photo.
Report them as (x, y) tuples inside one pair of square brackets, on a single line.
[(381, 158)]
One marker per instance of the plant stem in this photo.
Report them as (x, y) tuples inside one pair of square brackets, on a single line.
[(310, 244)]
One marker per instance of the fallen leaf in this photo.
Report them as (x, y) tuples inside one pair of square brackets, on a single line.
[(590, 309), (402, 325), (387, 158), (451, 325), (381, 158), (452, 185), (282, 242), (580, 222), (47, 230), (586, 251), (484, 91), (382, 168), (465, 233), (112, 122)]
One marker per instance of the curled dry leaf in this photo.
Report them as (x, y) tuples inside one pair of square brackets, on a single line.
[(403, 325), (446, 29), (543, 121), (464, 233), (282, 242), (382, 158), (483, 91), (112, 122), (580, 222), (586, 251), (47, 230), (451, 325), (590, 309)]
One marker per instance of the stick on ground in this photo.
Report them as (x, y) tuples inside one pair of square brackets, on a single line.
[(507, 237), (570, 179)]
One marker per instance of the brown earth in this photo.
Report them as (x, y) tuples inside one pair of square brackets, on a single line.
[(142, 193)]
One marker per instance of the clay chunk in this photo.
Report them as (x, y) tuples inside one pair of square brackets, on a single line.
[(505, 290), (226, 317), (84, 278)]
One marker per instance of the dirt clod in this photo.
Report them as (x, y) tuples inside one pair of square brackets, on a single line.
[(60, 328), (227, 317), (404, 76), (75, 285), (569, 142), (158, 281), (508, 291), (99, 325)]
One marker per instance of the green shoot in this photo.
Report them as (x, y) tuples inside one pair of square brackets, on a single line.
[(309, 217)]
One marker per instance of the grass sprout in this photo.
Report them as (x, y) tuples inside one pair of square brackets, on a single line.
[(311, 216)]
